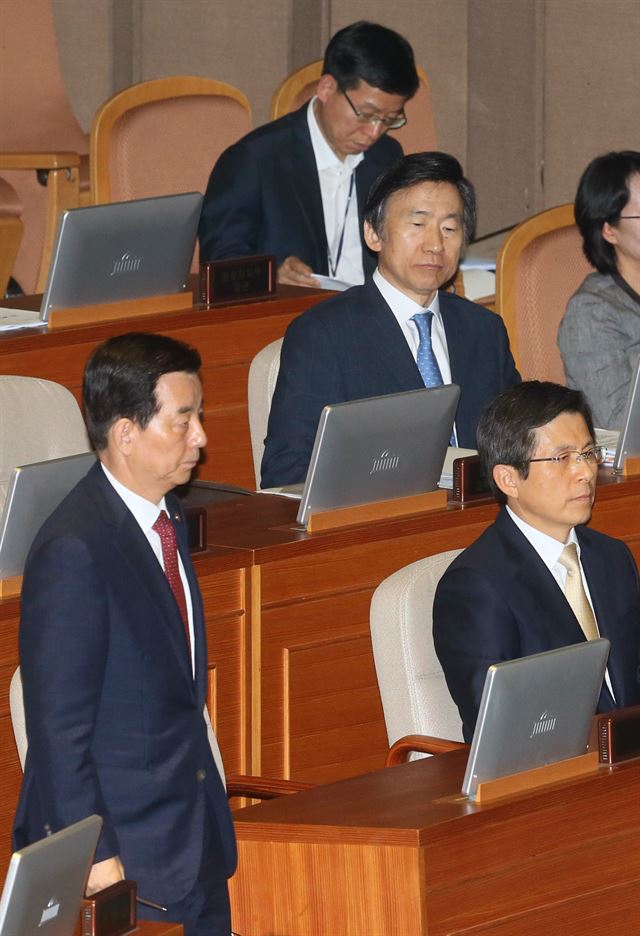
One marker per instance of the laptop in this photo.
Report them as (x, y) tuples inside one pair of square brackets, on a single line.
[(629, 438), (124, 250), (536, 710), (379, 448), (45, 882), (33, 494)]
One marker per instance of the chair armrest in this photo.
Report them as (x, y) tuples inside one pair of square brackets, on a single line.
[(264, 787), (424, 744), (47, 161)]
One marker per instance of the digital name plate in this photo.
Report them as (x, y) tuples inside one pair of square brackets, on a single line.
[(237, 279)]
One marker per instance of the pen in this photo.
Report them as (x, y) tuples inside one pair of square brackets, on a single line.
[(150, 903)]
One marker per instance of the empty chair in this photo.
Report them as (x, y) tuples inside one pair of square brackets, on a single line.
[(540, 266), (263, 374), (39, 420), (414, 694), (417, 135)]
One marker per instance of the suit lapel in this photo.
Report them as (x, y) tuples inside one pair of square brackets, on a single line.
[(383, 343), (299, 163), (132, 545), (459, 349)]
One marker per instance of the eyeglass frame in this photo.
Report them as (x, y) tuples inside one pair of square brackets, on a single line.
[(389, 123), (583, 458), (629, 217)]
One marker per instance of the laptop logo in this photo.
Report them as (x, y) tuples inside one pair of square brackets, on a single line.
[(385, 462), (128, 263), (50, 912), (545, 725)]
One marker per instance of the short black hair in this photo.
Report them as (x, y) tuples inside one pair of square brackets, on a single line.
[(369, 52), (506, 432), (412, 170), (120, 379), (603, 192)]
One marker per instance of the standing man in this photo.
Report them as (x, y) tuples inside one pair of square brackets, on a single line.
[(113, 651), (399, 331), (296, 187), (538, 578)]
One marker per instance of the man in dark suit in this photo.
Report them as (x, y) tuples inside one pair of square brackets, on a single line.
[(113, 650), (367, 341), (295, 187), (538, 578)]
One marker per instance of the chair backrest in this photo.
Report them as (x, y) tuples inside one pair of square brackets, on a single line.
[(540, 266), (16, 706), (415, 698), (163, 136), (417, 135), (263, 374), (39, 420)]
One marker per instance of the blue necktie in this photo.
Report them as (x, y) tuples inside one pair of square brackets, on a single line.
[(426, 360)]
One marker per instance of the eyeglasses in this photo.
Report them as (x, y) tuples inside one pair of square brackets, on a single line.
[(391, 123), (626, 217), (592, 456)]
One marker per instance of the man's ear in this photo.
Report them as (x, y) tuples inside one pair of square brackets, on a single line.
[(610, 233), (371, 239), (326, 87), (507, 479), (121, 435)]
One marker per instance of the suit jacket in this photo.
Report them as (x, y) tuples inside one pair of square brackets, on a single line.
[(351, 347), (263, 195), (499, 601), (114, 716)]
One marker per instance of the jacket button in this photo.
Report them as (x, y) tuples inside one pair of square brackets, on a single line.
[(200, 775)]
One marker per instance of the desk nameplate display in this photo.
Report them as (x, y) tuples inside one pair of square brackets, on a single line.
[(239, 279), (115, 311)]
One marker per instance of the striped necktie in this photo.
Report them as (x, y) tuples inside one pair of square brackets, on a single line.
[(426, 360), (575, 593)]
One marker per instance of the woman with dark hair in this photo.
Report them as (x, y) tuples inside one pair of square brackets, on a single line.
[(599, 336)]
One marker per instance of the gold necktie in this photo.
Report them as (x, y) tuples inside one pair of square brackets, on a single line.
[(575, 593)]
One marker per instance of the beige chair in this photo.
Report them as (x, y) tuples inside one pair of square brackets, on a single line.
[(417, 135), (539, 267), (263, 374), (39, 420), (43, 150), (414, 694)]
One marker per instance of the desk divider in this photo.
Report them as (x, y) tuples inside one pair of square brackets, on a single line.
[(114, 311), (379, 510)]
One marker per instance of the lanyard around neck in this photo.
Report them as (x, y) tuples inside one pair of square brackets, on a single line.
[(333, 267)]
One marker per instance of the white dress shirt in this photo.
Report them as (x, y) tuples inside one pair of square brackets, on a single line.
[(145, 514), (403, 307), (335, 177)]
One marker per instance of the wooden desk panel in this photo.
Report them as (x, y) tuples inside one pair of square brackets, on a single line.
[(399, 851), (227, 338)]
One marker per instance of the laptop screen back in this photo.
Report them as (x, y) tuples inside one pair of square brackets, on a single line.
[(536, 710), (629, 439), (45, 882), (379, 448)]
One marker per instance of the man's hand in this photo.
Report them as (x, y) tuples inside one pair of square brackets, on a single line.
[(294, 272), (103, 874)]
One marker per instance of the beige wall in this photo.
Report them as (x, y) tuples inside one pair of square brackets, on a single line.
[(525, 92)]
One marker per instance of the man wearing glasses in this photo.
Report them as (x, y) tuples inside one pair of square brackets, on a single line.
[(538, 578), (295, 187)]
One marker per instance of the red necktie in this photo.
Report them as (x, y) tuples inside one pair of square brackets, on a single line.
[(164, 529)]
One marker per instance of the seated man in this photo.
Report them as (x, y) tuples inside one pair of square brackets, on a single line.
[(376, 339), (295, 187), (538, 579)]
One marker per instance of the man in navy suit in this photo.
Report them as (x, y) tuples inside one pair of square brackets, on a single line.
[(507, 595), (365, 342), (296, 186), (113, 650)]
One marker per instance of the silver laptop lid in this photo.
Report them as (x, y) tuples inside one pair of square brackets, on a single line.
[(379, 448), (629, 439), (45, 882), (124, 250), (33, 494), (536, 710)]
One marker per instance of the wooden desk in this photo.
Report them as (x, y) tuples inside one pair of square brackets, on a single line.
[(227, 338), (398, 851)]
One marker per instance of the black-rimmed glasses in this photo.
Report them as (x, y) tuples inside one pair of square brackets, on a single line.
[(391, 123)]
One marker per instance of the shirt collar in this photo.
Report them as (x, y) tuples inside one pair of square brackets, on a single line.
[(325, 156), (145, 511), (548, 548), (402, 306)]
